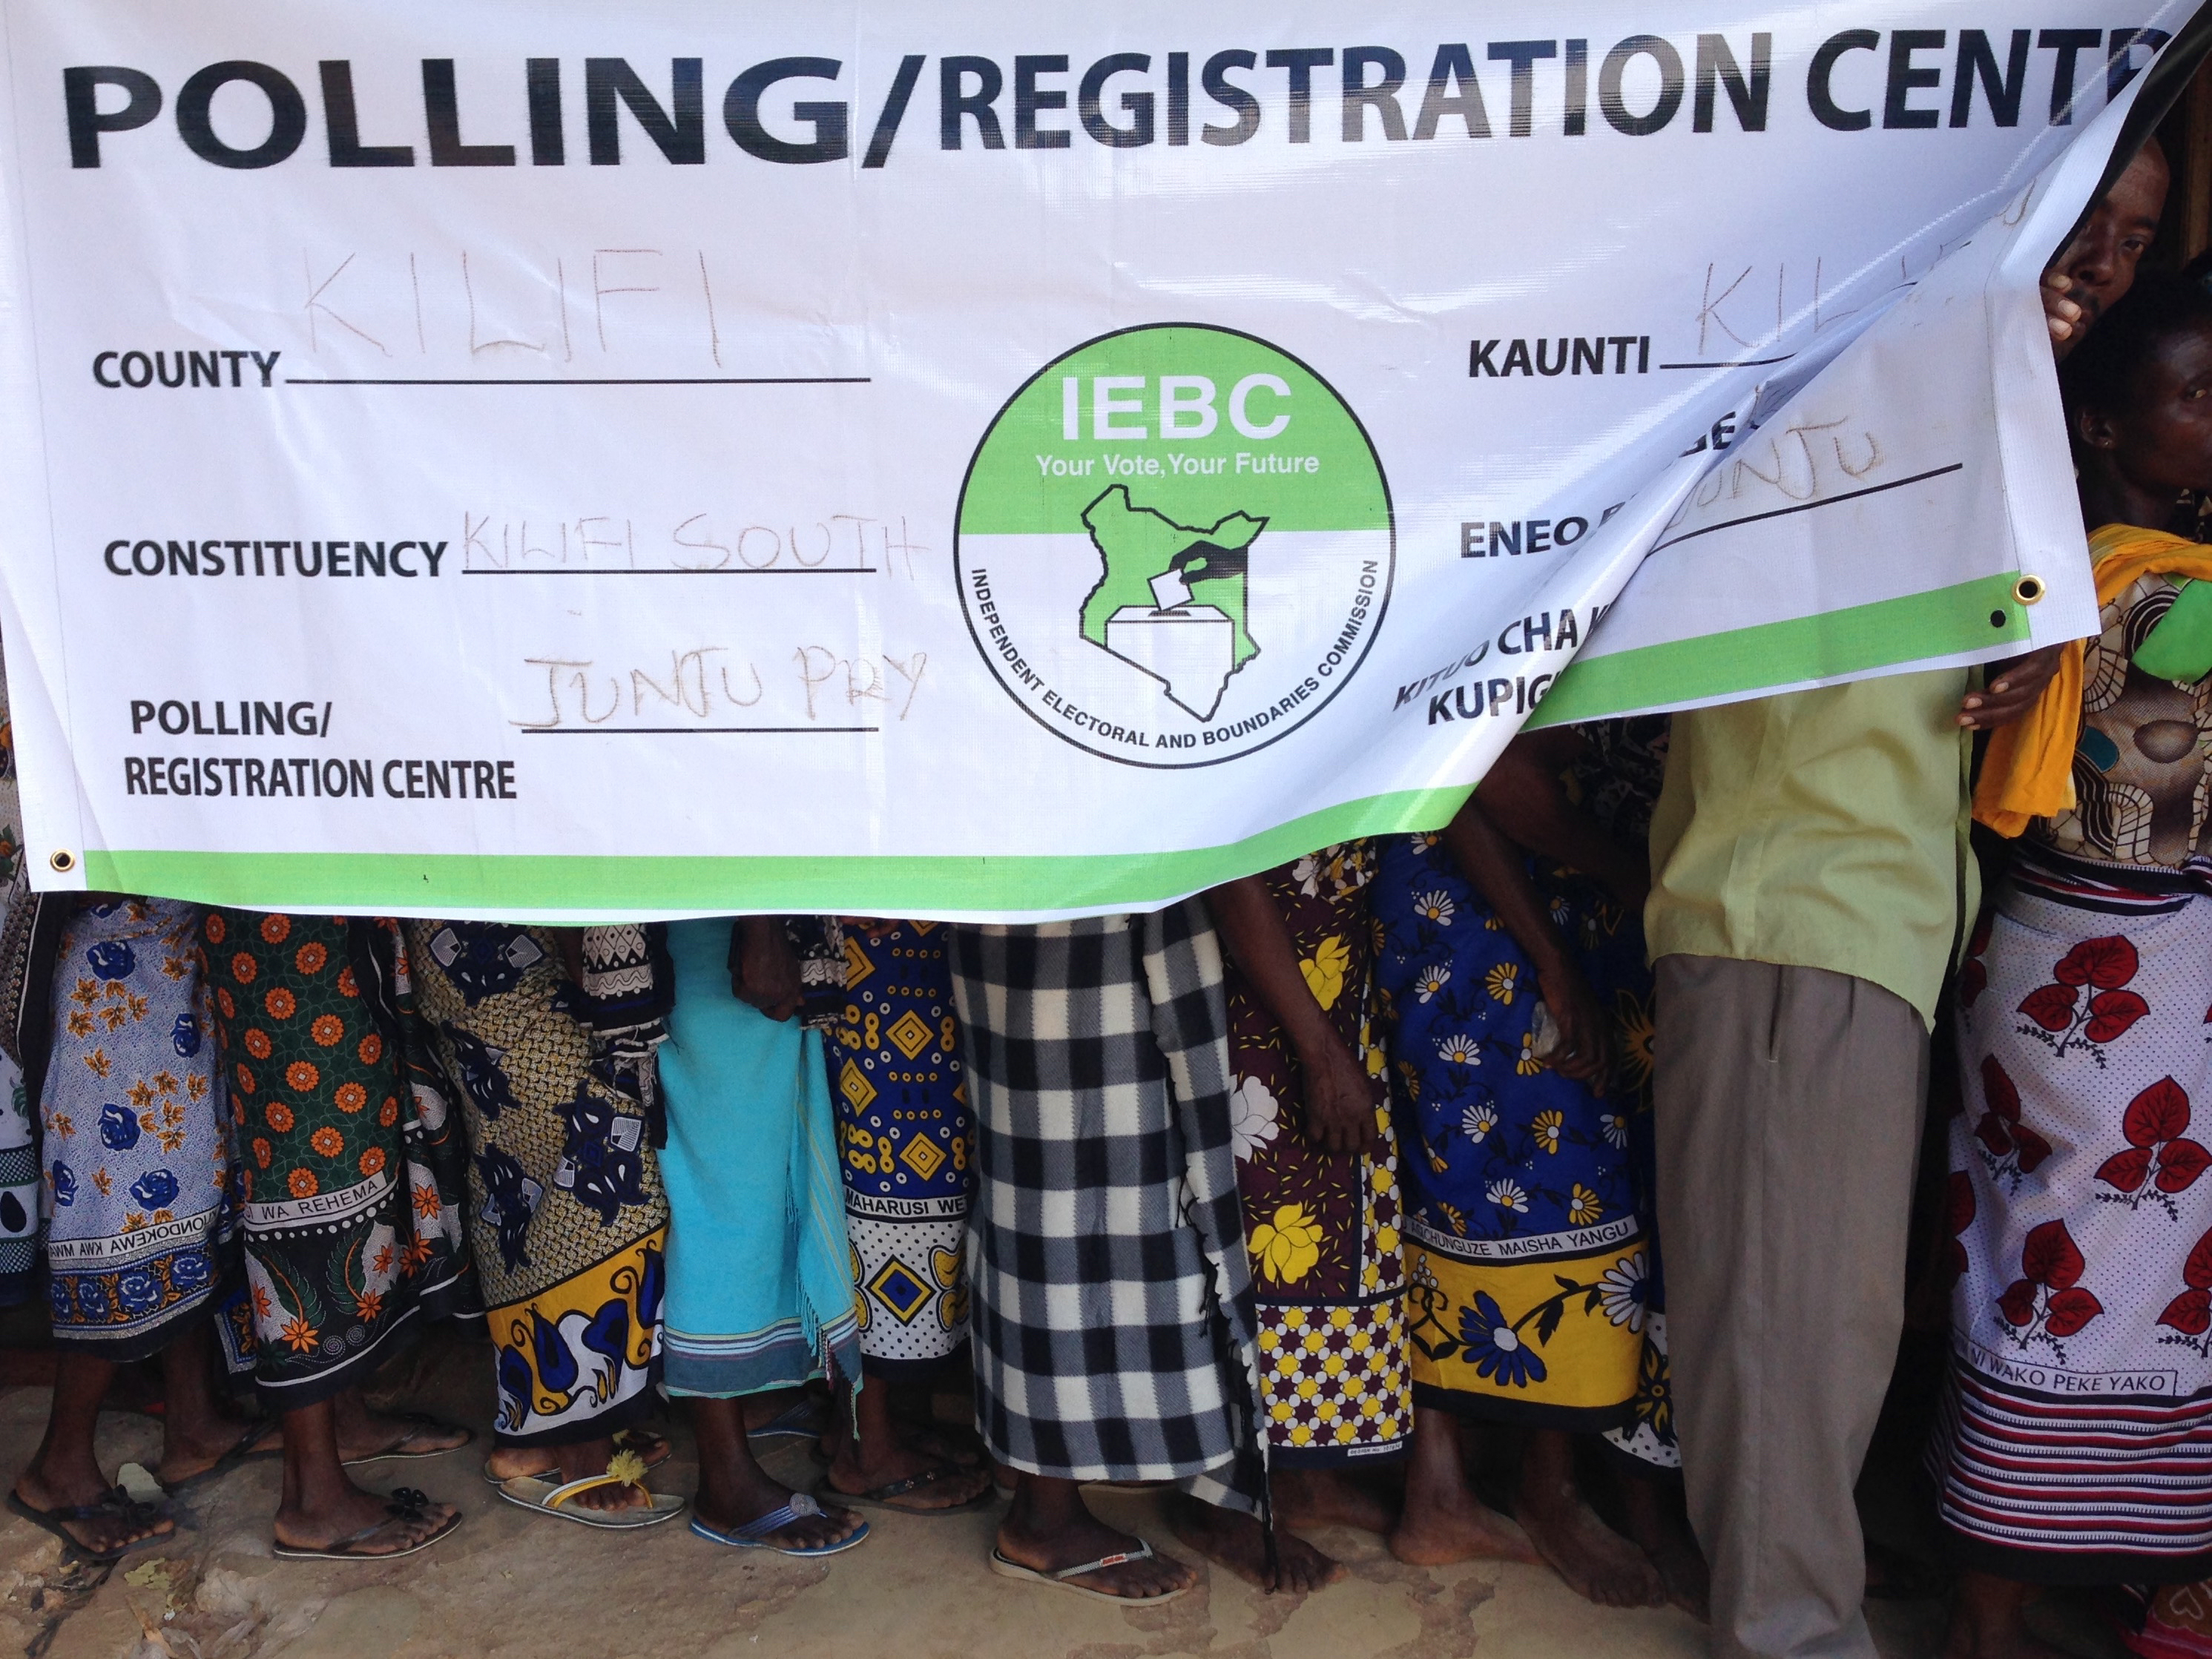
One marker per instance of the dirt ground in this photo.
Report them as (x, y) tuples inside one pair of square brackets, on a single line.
[(512, 1582)]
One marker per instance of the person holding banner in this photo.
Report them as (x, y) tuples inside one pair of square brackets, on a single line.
[(1112, 1314), (1317, 1173), (351, 1168), (568, 1222), (2094, 271), (2080, 1198), (1811, 882)]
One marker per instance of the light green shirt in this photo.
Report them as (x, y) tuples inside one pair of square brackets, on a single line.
[(1823, 829)]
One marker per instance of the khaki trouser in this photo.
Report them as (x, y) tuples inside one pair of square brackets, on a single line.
[(1788, 1109)]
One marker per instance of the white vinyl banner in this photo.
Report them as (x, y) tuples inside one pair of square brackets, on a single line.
[(966, 460)]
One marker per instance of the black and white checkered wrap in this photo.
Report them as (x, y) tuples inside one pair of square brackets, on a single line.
[(1112, 1311)]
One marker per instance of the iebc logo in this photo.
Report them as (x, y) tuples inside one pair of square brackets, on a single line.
[(1174, 546)]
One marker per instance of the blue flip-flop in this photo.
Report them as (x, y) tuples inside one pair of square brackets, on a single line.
[(755, 1534), (805, 1419)]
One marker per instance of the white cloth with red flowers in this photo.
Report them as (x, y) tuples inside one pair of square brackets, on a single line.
[(2076, 1444)]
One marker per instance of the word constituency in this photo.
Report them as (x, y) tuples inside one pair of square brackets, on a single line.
[(205, 558)]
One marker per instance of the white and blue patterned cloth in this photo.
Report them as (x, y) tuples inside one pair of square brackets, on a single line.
[(138, 1146)]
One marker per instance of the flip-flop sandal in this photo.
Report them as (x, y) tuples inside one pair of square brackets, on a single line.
[(407, 1503), (885, 1497), (243, 1452), (115, 1504), (418, 1423), (803, 1419), (654, 1449), (1066, 1578), (550, 1496), (933, 1440), (756, 1535)]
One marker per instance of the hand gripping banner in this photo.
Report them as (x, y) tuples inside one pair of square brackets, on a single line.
[(953, 460)]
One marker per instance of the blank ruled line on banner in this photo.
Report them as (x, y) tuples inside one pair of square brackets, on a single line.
[(1741, 362), (541, 380), (694, 731), (801, 570)]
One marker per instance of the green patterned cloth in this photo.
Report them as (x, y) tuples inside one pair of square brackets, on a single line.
[(353, 1170)]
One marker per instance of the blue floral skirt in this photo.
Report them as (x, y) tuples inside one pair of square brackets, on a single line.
[(1530, 1271), (138, 1144)]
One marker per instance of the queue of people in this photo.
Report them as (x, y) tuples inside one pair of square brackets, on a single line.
[(1584, 1129)]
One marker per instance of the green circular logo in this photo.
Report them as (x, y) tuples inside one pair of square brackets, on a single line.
[(1174, 546)]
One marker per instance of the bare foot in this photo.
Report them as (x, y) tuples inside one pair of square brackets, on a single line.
[(1655, 1521), (365, 1517), (1436, 1534), (1331, 1498), (188, 1452), (1599, 1564), (1087, 1538), (809, 1532), (1238, 1542), (97, 1534)]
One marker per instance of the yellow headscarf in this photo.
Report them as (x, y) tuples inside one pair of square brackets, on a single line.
[(2028, 772)]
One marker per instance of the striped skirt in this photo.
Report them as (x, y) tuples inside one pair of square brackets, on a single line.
[(2075, 1444)]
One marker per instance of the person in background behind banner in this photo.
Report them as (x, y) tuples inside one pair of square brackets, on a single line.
[(141, 1243), (1113, 1322), (760, 1285), (353, 1174), (1317, 1173), (1811, 883), (900, 1093), (2098, 264), (567, 1218), (2072, 1442)]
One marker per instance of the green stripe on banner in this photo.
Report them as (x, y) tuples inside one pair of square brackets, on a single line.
[(1941, 622), (459, 884)]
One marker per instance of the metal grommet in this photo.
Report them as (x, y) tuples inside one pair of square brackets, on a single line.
[(63, 862), (2028, 589)]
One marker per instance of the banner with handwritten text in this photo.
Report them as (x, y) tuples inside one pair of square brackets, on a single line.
[(963, 460)]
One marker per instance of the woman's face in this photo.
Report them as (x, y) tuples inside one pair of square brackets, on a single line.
[(2163, 439)]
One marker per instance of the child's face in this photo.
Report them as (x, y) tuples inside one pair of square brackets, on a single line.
[(2164, 438)]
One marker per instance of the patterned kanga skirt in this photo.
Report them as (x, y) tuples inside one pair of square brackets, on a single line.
[(1323, 1227), (905, 1139), (2076, 1442), (568, 1220), (352, 1167), (1530, 1275), (137, 1147)]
